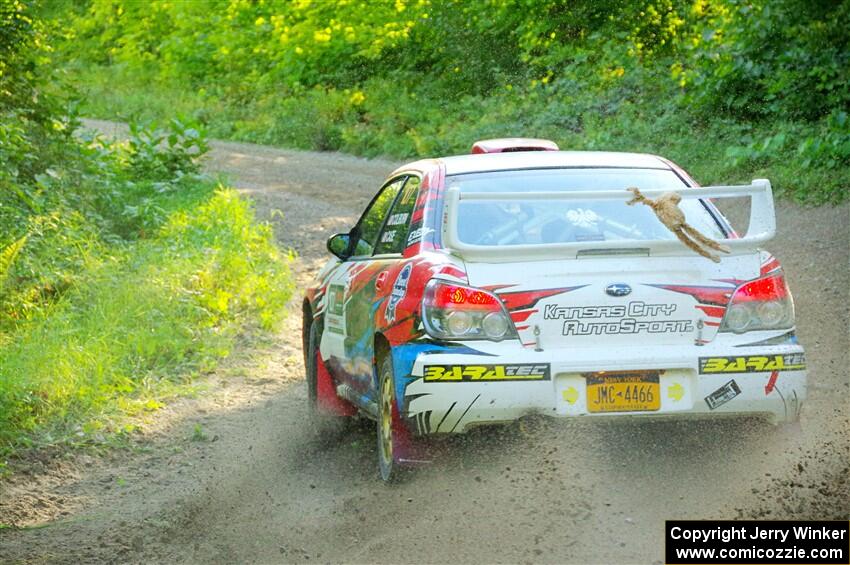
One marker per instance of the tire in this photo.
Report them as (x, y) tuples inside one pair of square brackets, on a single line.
[(312, 371), (387, 465)]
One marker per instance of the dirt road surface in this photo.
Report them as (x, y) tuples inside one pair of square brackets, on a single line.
[(239, 475)]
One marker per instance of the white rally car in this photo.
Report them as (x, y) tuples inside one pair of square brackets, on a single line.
[(481, 288)]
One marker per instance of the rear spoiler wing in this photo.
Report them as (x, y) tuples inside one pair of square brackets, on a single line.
[(762, 226)]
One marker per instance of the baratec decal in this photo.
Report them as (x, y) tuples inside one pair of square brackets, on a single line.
[(460, 373), (752, 363)]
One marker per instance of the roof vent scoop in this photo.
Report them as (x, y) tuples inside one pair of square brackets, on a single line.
[(510, 144)]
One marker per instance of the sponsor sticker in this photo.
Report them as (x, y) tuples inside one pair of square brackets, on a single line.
[(752, 363), (417, 234), (723, 395), (463, 373), (336, 294), (398, 292)]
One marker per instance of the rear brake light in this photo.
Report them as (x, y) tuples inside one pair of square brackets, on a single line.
[(453, 311), (762, 304), (448, 295)]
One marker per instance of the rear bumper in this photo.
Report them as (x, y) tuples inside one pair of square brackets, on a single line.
[(693, 382)]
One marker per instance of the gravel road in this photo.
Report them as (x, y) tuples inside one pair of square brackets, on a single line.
[(261, 486)]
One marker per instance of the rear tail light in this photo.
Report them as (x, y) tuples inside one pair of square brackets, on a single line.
[(453, 311), (762, 304)]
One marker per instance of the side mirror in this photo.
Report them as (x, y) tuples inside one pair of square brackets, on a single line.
[(338, 245)]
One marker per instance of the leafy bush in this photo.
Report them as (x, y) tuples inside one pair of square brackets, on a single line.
[(830, 149), (757, 151), (182, 144)]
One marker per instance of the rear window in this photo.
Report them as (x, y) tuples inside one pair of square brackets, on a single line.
[(528, 222)]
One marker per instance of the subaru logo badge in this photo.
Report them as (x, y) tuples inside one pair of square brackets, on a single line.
[(618, 289)]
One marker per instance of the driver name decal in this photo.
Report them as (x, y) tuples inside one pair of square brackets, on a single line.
[(590, 320)]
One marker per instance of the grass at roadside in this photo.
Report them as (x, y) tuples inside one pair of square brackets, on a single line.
[(140, 317)]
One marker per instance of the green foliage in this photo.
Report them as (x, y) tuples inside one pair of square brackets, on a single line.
[(182, 143), (125, 286), (198, 433), (830, 149), (123, 270), (141, 323), (417, 77), (99, 195), (274, 43), (757, 151), (788, 58), (7, 258)]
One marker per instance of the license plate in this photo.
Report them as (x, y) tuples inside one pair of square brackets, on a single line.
[(623, 392)]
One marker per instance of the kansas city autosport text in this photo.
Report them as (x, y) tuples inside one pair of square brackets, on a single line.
[(629, 322)]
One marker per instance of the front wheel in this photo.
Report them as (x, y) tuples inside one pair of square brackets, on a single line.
[(312, 370)]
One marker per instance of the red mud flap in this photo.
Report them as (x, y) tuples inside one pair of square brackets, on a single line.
[(326, 397), (408, 450)]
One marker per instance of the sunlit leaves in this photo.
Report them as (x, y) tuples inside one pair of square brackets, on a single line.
[(402, 77), (291, 43)]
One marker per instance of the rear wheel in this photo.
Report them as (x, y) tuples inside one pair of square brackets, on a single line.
[(387, 464)]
